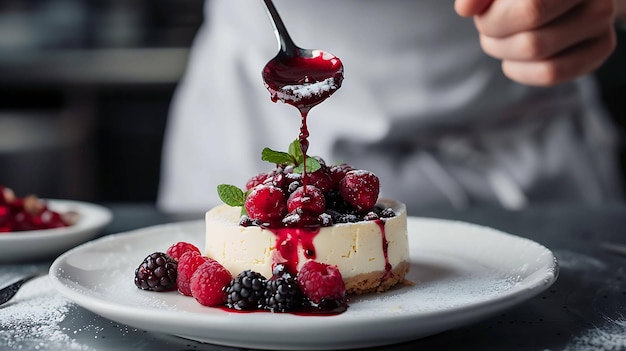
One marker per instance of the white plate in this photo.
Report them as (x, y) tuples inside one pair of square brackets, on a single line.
[(47, 243), (462, 273)]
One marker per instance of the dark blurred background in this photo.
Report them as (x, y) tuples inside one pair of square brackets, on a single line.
[(85, 88)]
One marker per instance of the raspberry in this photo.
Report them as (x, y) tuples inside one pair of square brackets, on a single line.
[(176, 250), (360, 189), (245, 290), (157, 272), (207, 282), (311, 202), (266, 203), (187, 265), (321, 282)]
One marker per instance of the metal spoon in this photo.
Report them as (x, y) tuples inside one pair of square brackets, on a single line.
[(299, 77), (9, 291)]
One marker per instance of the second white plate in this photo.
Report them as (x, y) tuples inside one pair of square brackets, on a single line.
[(462, 273), (48, 243)]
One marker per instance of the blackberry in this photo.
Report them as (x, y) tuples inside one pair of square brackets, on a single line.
[(282, 294), (157, 272), (387, 213), (325, 219), (298, 219), (246, 221), (245, 290), (334, 201), (371, 216), (346, 218)]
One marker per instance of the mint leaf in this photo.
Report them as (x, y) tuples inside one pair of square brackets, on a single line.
[(312, 165), (296, 152), (276, 157), (231, 195)]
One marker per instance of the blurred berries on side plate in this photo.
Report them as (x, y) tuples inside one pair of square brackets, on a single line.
[(29, 213)]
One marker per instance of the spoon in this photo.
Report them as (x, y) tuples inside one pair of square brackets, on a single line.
[(299, 77), (9, 291)]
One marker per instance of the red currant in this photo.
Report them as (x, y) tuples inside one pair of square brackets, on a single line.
[(339, 171), (320, 179), (256, 180)]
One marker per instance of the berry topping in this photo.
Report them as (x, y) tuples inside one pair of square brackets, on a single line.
[(299, 219), (266, 203), (176, 250), (320, 179), (321, 282), (311, 201), (157, 272), (333, 194), (245, 291), (338, 172), (208, 281), (360, 189), (256, 180), (187, 265)]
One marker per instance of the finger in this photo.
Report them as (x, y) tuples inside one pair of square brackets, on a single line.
[(468, 8), (550, 39), (568, 65), (506, 17)]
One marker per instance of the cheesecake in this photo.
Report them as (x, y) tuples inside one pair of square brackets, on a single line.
[(372, 255)]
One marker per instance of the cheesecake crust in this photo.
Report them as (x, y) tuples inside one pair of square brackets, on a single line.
[(378, 281)]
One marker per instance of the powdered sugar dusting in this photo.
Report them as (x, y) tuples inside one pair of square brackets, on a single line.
[(611, 336), (440, 284), (33, 319), (307, 90), (578, 262)]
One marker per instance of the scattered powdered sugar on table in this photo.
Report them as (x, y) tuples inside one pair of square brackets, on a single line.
[(611, 336), (578, 262), (33, 319)]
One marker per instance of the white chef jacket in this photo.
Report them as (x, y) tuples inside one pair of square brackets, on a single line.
[(421, 106)]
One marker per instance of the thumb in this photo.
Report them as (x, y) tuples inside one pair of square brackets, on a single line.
[(468, 8)]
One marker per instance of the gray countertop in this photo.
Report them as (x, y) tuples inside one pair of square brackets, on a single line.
[(585, 309)]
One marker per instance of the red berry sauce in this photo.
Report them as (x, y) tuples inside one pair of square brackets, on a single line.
[(303, 82), (385, 244), (287, 242)]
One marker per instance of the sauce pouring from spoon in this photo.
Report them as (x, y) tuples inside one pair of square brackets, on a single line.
[(300, 77)]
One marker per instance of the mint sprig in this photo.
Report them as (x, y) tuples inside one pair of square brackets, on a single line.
[(234, 196), (295, 157), (231, 195), (277, 157)]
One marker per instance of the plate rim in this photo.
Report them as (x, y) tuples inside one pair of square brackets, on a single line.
[(477, 310)]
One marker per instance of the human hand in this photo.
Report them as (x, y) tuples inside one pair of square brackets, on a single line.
[(544, 42)]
